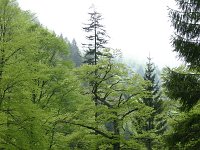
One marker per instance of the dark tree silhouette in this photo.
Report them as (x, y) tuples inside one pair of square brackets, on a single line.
[(186, 42), (183, 83), (97, 38)]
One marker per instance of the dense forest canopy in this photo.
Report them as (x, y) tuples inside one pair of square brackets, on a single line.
[(52, 96)]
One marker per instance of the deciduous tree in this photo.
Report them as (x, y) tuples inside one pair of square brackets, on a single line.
[(119, 94)]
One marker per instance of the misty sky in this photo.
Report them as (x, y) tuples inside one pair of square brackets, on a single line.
[(137, 27)]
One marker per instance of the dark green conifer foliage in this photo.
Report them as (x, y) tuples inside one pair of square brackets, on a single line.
[(187, 29), (155, 100), (183, 83), (97, 38), (154, 123), (186, 42)]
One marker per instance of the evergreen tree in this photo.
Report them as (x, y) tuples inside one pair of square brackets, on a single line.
[(186, 43), (155, 123), (75, 53), (183, 83), (97, 38)]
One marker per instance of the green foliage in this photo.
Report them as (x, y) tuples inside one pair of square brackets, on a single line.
[(96, 40), (36, 83), (22, 127), (43, 106), (185, 132), (183, 83), (118, 93), (154, 125), (186, 24), (45, 103)]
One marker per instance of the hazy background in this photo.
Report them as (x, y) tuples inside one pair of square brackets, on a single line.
[(136, 27)]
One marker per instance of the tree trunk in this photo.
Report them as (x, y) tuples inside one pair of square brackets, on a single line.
[(149, 146), (95, 44), (149, 141), (116, 144)]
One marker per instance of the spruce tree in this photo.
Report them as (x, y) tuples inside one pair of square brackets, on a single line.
[(97, 38), (75, 53), (183, 83), (154, 123), (186, 42)]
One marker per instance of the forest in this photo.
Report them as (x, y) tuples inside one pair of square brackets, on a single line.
[(53, 96)]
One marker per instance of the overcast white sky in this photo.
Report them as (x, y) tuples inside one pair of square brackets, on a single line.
[(137, 27)]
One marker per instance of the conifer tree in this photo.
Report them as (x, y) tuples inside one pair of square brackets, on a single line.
[(186, 41), (154, 123), (97, 38), (75, 53), (183, 83)]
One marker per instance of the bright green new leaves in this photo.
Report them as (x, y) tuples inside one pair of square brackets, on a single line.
[(22, 126), (116, 94), (34, 81)]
